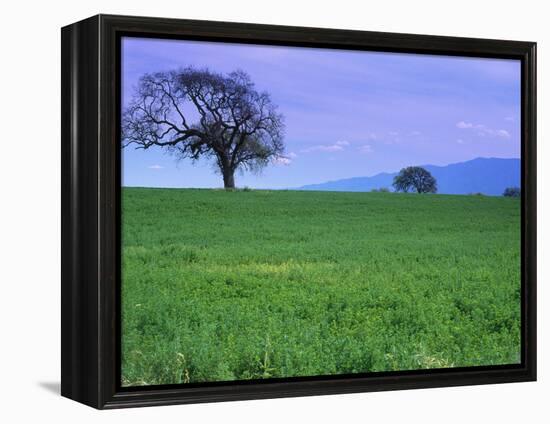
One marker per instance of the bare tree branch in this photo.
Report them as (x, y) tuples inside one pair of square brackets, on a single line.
[(235, 125)]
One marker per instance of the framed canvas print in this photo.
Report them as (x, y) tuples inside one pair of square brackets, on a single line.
[(255, 211)]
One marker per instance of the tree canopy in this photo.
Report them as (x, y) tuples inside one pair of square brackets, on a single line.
[(512, 192), (197, 114), (415, 178)]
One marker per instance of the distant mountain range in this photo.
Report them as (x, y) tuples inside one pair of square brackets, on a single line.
[(489, 176)]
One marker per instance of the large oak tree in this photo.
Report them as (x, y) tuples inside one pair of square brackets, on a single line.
[(196, 113)]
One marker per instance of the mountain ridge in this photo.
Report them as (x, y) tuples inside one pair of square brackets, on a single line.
[(489, 176)]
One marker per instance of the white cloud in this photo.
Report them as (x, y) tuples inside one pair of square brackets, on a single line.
[(336, 147), (292, 155), (155, 167), (510, 119), (503, 133), (393, 133), (282, 160), (460, 141), (483, 130), (342, 143), (416, 133), (366, 148), (464, 125)]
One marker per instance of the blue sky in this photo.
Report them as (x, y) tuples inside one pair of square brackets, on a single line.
[(347, 113)]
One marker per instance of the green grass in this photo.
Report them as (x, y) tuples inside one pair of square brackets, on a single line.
[(221, 286)]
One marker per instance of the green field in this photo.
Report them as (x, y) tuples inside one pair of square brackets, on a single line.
[(221, 286)]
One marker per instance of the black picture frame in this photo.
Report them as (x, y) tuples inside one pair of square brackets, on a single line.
[(90, 239)]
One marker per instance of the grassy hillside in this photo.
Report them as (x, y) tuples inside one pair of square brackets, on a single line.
[(239, 285)]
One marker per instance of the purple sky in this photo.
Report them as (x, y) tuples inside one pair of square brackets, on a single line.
[(347, 114)]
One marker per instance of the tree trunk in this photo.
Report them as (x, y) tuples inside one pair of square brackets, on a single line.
[(228, 178)]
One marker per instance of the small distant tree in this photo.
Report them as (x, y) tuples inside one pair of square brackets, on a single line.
[(415, 178), (512, 192)]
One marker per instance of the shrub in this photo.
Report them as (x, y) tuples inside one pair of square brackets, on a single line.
[(512, 192)]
